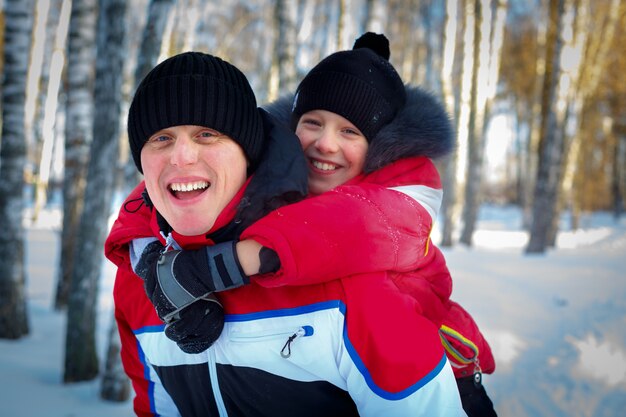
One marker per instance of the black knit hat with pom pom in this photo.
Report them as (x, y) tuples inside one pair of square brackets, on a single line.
[(360, 85)]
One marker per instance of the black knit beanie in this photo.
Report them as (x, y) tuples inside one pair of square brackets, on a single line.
[(360, 85), (194, 88)]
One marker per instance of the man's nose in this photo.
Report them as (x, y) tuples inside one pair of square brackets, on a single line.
[(185, 151)]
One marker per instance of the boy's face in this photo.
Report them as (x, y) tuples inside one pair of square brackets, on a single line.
[(335, 149), (191, 174)]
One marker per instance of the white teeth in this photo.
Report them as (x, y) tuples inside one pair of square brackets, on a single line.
[(190, 186), (323, 165)]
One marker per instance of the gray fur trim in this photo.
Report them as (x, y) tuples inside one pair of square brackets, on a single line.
[(421, 128)]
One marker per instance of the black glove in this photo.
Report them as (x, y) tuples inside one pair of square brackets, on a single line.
[(179, 285), (182, 277), (199, 325)]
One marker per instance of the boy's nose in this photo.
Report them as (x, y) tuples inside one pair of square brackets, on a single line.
[(327, 143)]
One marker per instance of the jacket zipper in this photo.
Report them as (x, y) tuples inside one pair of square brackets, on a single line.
[(303, 331), (285, 352), (217, 394)]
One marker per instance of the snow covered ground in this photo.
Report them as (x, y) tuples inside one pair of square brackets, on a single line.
[(556, 323)]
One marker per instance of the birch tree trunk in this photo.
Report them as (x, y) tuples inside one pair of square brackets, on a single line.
[(427, 14), (575, 42), (152, 37), (451, 58), (52, 32), (307, 55), (78, 131), (17, 38), (331, 11), (39, 58), (468, 114), (44, 125), (617, 104), (546, 185), (489, 42), (81, 361), (618, 171), (589, 52), (376, 16), (115, 383), (283, 73), (147, 57)]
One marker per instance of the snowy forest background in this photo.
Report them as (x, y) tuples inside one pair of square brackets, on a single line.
[(535, 88)]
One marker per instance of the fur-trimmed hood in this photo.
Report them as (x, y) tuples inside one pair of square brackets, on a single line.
[(421, 128)]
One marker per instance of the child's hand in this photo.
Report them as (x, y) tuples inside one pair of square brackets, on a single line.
[(198, 326), (180, 285), (179, 278)]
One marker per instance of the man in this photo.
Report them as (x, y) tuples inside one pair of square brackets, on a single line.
[(212, 163)]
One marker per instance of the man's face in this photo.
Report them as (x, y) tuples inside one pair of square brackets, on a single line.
[(335, 149), (191, 174)]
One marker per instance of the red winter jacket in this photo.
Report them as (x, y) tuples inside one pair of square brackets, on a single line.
[(363, 226), (353, 356)]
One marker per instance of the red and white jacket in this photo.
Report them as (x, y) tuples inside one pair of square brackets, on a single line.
[(379, 221), (349, 346)]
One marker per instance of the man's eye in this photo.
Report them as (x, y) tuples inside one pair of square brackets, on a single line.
[(159, 138), (207, 136)]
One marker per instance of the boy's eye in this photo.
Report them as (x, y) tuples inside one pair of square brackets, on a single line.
[(352, 132), (311, 122)]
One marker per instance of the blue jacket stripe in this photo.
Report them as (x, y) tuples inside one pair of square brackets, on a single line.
[(393, 396), (150, 329), (326, 305), (146, 375)]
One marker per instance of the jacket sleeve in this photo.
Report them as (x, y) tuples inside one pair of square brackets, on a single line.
[(379, 222), (150, 399), (133, 311), (430, 285), (439, 397), (392, 366), (134, 368)]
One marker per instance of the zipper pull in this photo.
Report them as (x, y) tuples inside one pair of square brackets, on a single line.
[(285, 352), (170, 242)]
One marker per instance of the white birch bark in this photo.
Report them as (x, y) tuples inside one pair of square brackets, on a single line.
[(78, 133), (449, 211), (550, 151), (17, 40), (81, 359), (50, 104)]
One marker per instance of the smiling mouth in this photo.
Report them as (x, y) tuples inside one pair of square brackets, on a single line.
[(188, 190), (324, 166)]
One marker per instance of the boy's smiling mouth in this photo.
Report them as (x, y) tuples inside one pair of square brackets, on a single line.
[(324, 166)]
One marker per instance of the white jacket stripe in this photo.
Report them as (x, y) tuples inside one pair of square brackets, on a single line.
[(427, 197)]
